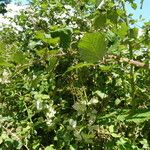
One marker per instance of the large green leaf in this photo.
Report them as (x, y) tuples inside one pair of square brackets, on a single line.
[(92, 47)]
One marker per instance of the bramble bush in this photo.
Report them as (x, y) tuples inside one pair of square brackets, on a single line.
[(75, 75)]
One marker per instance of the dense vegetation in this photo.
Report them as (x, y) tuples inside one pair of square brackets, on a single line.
[(74, 75)]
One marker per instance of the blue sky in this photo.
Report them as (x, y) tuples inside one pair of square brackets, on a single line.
[(145, 11), (22, 1)]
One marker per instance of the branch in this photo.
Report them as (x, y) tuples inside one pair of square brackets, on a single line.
[(9, 132), (131, 62)]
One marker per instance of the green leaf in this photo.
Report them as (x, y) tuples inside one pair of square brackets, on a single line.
[(72, 148), (4, 63), (142, 1), (98, 2), (92, 47), (122, 32), (80, 107), (111, 128), (46, 38), (2, 47), (137, 116), (105, 68), (100, 94), (115, 135), (65, 35), (78, 66), (120, 12), (133, 33), (49, 148), (19, 57), (39, 34), (41, 52), (65, 38), (100, 20), (87, 137), (39, 96), (112, 15), (145, 143), (134, 6)]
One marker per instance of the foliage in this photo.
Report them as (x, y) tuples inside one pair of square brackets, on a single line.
[(59, 89)]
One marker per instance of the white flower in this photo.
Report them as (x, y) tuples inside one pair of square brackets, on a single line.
[(5, 77), (73, 123), (51, 113)]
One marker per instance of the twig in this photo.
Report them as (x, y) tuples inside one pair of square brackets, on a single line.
[(131, 62), (11, 133)]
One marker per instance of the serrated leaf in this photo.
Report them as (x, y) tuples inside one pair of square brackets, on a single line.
[(92, 47)]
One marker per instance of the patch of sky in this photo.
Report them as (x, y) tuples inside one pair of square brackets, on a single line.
[(139, 13), (22, 2)]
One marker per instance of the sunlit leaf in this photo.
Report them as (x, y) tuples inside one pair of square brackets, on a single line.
[(101, 94), (41, 35), (19, 57), (49, 148), (92, 47), (78, 66), (122, 32), (4, 63)]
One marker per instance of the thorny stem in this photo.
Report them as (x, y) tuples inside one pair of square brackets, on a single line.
[(131, 58)]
